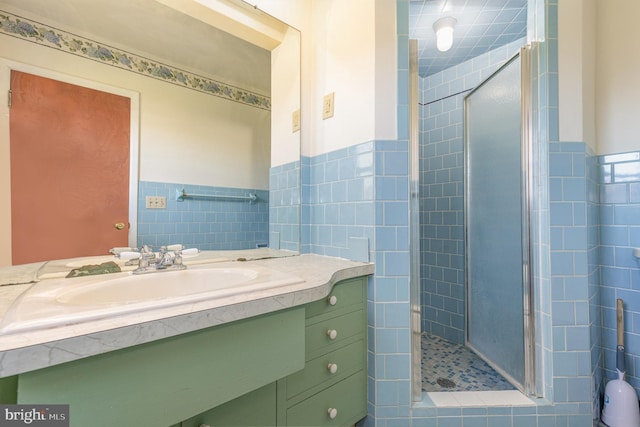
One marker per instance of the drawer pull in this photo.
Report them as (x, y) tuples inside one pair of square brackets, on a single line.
[(204, 425), (333, 368), (332, 334), (332, 300), (333, 413)]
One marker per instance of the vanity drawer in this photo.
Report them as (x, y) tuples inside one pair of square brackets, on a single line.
[(344, 361), (346, 398), (347, 293), (328, 333)]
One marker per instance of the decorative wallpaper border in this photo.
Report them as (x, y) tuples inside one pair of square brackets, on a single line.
[(48, 36)]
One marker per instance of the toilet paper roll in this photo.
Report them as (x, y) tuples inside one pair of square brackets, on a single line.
[(191, 252), (177, 247)]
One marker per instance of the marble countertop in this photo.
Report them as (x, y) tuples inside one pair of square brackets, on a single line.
[(31, 350)]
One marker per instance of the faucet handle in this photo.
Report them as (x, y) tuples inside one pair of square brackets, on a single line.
[(177, 257), (117, 250), (127, 256), (147, 254)]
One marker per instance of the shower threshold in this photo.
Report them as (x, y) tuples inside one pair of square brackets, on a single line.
[(457, 399)]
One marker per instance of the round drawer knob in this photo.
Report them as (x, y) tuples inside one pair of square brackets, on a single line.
[(333, 412), (333, 368), (332, 334), (332, 300)]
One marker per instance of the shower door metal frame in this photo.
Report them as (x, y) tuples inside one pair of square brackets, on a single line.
[(414, 225), (528, 387), (527, 103)]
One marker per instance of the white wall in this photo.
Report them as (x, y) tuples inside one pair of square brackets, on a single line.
[(618, 78), (349, 59), (577, 66), (386, 66), (285, 99), (599, 84), (348, 48), (343, 63), (296, 13)]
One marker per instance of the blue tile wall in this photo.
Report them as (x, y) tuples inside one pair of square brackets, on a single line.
[(620, 271), (338, 195), (284, 206), (442, 193), (575, 268), (571, 378), (305, 222), (207, 225), (351, 196), (594, 272), (390, 374)]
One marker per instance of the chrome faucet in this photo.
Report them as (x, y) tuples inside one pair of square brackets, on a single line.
[(165, 260)]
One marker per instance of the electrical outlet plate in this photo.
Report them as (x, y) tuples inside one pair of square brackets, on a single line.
[(295, 121), (327, 106), (156, 202)]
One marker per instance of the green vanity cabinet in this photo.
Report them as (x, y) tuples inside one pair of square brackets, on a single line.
[(331, 389), (304, 366), (9, 390), (166, 382)]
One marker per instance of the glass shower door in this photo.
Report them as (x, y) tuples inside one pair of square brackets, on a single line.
[(494, 222)]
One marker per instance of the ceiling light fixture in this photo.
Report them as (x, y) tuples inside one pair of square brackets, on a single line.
[(444, 32)]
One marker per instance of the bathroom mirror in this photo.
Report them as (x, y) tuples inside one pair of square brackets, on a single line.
[(215, 106)]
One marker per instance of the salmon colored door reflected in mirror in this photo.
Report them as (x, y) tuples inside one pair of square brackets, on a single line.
[(69, 169)]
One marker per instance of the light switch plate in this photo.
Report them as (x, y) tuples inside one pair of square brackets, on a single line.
[(327, 106), (156, 202), (295, 121)]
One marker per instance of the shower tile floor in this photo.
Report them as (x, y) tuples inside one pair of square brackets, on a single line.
[(452, 367)]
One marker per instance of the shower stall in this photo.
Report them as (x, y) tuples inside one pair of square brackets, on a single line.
[(498, 301), (471, 206)]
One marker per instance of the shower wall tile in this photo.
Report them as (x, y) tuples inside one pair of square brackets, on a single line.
[(205, 224), (626, 172), (575, 274)]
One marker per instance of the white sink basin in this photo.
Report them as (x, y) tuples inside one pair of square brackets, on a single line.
[(159, 286), (51, 303)]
